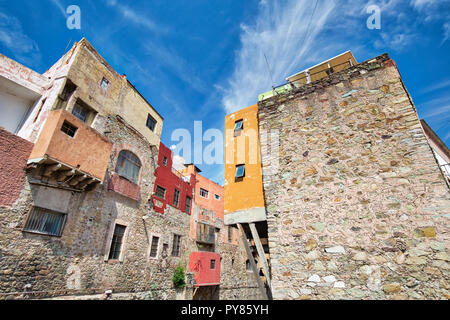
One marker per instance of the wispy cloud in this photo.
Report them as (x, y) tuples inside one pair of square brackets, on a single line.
[(435, 87), (446, 36), (13, 37), (136, 17), (278, 32), (60, 7), (437, 111)]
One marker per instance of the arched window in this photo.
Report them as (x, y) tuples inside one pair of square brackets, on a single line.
[(128, 166)]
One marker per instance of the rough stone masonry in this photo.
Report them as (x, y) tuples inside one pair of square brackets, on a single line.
[(358, 208)]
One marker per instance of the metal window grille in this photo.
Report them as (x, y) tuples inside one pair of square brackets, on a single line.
[(187, 207), (45, 221), (80, 112), (160, 192), (69, 129), (151, 123), (176, 198), (116, 243), (176, 245), (204, 193), (154, 247), (128, 166)]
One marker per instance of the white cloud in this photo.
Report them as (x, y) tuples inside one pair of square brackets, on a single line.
[(60, 7), (13, 37), (446, 28), (136, 17), (278, 31)]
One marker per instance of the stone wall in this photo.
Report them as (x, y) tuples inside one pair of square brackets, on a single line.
[(358, 208), (77, 262)]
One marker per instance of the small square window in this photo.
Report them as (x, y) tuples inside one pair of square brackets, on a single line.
[(240, 171), (204, 193), (213, 264), (239, 125), (164, 162), (151, 123), (69, 129), (105, 83), (217, 197), (160, 192)]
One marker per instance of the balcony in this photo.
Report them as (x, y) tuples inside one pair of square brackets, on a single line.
[(69, 154), (205, 234), (206, 268)]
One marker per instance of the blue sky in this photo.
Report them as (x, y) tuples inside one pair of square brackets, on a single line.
[(202, 59)]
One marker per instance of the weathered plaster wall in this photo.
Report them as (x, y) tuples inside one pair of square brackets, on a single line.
[(358, 208), (14, 153)]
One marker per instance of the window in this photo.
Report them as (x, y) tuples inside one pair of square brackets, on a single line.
[(116, 243), (176, 198), (213, 264), (204, 193), (160, 192), (151, 123), (154, 247), (239, 125), (80, 112), (164, 162), (187, 208), (45, 221), (217, 197), (128, 166), (247, 265), (176, 245), (240, 171), (230, 233), (69, 129), (105, 83)]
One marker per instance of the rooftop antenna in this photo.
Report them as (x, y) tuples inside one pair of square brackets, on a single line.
[(270, 74)]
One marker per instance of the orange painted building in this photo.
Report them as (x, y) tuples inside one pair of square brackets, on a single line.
[(244, 199)]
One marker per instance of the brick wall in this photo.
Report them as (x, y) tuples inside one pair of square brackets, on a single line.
[(357, 208)]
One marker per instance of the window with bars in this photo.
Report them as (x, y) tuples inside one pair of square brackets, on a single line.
[(176, 198), (128, 166), (204, 193), (164, 162), (213, 264), (80, 112), (116, 243), (45, 221), (69, 129), (176, 245), (151, 123), (160, 192), (154, 247), (187, 207)]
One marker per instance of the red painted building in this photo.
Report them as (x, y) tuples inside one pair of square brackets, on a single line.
[(171, 188), (206, 268)]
